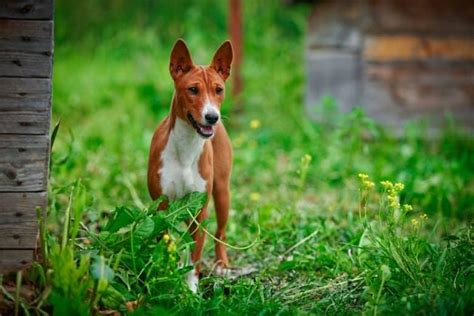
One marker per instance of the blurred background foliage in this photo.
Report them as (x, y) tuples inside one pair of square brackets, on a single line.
[(112, 87)]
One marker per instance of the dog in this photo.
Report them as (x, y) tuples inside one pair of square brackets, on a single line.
[(190, 150)]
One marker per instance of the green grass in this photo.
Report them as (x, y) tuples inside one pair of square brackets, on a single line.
[(327, 244)]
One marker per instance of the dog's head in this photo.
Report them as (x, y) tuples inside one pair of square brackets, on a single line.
[(200, 90)]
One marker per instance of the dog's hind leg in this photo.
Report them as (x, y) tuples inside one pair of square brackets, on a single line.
[(221, 196), (222, 150)]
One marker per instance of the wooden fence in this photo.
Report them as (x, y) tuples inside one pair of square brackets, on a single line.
[(26, 54)]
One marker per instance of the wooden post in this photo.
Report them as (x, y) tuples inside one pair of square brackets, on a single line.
[(26, 50), (235, 30)]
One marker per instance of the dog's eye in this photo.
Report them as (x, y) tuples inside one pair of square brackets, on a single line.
[(193, 90), (219, 90)]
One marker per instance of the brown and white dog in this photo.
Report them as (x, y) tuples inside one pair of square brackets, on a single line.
[(190, 150)]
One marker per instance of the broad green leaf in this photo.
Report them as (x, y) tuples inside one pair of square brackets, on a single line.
[(190, 203), (160, 223), (120, 218), (144, 229), (100, 270)]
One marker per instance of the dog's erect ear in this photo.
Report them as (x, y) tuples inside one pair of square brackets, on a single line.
[(180, 60), (223, 59)]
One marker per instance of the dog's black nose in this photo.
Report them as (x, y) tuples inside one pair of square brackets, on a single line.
[(211, 118)]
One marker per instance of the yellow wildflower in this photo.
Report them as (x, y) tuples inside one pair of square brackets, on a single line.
[(172, 247), (254, 196), (415, 222), (423, 217), (407, 207), (366, 183), (166, 237), (399, 186), (369, 184), (387, 185), (254, 124)]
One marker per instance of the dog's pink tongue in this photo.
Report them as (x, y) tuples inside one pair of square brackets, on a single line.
[(206, 129)]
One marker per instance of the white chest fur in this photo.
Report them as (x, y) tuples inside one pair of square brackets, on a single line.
[(180, 162)]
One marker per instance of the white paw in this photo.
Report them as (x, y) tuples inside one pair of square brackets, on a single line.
[(222, 271), (193, 281), (232, 273)]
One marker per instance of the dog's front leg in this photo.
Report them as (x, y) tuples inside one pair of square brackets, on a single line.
[(199, 237)]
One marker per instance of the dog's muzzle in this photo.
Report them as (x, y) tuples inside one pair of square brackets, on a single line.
[(205, 130)]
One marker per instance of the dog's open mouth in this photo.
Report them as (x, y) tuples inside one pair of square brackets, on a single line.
[(205, 131)]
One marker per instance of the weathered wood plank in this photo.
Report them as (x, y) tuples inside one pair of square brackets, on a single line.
[(24, 122), (26, 36), (27, 9), (15, 259), (19, 64), (24, 105), (394, 94), (426, 88), (334, 73), (24, 86), (336, 24), (16, 102), (23, 163), (410, 47), (421, 16), (18, 221)]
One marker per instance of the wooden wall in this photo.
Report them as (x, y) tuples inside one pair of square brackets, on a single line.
[(26, 54), (397, 59)]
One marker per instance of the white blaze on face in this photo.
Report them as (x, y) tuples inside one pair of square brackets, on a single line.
[(209, 108)]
